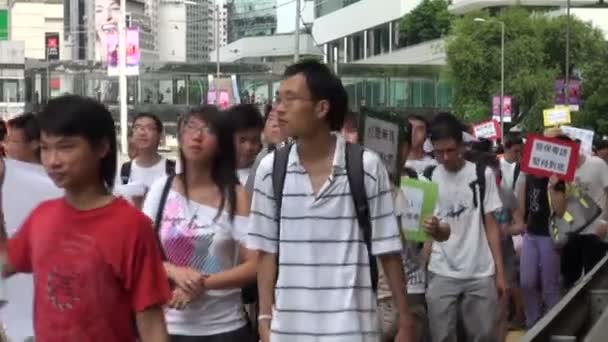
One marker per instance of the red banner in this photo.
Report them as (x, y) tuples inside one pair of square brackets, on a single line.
[(545, 157)]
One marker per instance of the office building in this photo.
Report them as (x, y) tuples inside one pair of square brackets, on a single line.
[(250, 18), (186, 30)]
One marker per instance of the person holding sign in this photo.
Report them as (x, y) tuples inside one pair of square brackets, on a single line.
[(95, 259), (415, 258), (466, 271)]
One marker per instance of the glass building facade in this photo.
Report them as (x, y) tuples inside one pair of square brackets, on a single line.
[(249, 18), (199, 33), (324, 7)]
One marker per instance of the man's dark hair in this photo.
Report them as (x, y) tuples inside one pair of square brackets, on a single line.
[(446, 126), (323, 85), (74, 115), (513, 139), (244, 116), (28, 123), (157, 122)]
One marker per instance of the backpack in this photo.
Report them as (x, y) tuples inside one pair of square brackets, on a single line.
[(516, 172), (356, 181), (480, 182), (125, 170), (581, 212)]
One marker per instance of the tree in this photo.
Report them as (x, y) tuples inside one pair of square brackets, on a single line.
[(429, 20), (534, 59)]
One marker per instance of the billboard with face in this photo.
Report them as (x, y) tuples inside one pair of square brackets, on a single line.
[(107, 14)]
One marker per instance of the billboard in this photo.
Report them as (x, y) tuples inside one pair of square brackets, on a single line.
[(574, 93), (507, 108), (3, 24), (107, 14), (51, 46), (133, 52)]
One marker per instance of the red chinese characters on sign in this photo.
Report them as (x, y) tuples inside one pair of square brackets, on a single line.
[(545, 157)]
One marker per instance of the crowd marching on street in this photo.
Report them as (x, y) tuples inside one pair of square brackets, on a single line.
[(284, 226)]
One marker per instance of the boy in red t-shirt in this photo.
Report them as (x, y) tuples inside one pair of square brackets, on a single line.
[(94, 257)]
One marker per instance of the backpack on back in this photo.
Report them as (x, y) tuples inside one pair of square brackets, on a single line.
[(356, 181), (125, 170)]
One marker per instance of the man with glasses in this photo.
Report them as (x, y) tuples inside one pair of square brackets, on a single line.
[(148, 165)]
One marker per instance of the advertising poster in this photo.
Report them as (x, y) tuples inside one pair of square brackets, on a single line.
[(507, 111), (574, 93), (133, 53), (51, 46)]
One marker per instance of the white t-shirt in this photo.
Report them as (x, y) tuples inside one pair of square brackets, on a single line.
[(466, 254), (508, 172), (243, 175), (25, 187), (148, 175), (592, 178), (191, 238), (419, 165)]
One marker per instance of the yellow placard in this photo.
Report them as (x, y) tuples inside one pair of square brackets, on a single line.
[(556, 116)]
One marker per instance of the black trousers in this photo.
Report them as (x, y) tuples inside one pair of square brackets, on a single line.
[(580, 254), (241, 335)]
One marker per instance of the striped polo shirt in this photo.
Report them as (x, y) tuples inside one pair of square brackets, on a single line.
[(323, 292)]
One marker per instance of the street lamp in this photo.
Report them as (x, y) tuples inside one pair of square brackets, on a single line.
[(502, 70)]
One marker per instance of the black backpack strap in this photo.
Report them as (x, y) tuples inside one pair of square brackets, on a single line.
[(480, 170), (428, 172), (160, 211), (356, 182), (125, 172), (170, 167), (516, 172), (279, 172)]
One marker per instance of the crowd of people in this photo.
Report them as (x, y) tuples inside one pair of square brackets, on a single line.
[(281, 227)]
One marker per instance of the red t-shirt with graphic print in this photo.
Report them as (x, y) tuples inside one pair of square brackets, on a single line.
[(93, 270)]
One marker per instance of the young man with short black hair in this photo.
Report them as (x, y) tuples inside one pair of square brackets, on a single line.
[(148, 165), (247, 124), (509, 163), (314, 264), (467, 270), (23, 139)]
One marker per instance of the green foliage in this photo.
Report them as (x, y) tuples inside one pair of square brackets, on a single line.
[(429, 20), (534, 59)]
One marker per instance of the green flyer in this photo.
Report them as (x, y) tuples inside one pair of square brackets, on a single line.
[(419, 204)]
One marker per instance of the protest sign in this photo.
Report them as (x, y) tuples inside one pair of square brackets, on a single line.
[(382, 133), (487, 130), (25, 187), (420, 201), (545, 157), (556, 116), (584, 135)]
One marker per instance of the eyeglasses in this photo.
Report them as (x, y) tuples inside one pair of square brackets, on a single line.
[(144, 128), (193, 129), (289, 100)]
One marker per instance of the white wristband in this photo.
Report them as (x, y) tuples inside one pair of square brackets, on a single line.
[(264, 318)]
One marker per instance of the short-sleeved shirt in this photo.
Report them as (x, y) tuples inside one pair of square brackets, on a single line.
[(93, 270), (323, 291), (192, 237), (466, 254)]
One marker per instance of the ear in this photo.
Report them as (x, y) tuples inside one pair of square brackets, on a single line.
[(322, 108)]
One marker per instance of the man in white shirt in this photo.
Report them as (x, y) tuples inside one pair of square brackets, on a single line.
[(509, 163), (23, 139), (247, 126), (319, 286), (418, 160), (149, 165), (465, 271)]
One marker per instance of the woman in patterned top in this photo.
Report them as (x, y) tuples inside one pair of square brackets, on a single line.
[(202, 231)]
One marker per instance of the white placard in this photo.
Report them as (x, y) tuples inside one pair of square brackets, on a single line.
[(550, 157), (25, 187), (382, 137), (584, 135), (412, 210), (486, 130)]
